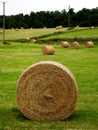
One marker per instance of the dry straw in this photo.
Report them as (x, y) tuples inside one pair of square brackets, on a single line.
[(48, 50), (92, 27), (64, 44), (89, 44), (27, 39), (16, 29), (47, 91), (75, 45), (59, 27), (1, 31), (32, 41)]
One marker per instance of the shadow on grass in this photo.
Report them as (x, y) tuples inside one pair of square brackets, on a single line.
[(21, 117), (13, 118), (83, 115), (18, 114), (14, 113)]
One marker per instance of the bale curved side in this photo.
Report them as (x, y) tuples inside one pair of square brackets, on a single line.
[(48, 50), (75, 45), (47, 91), (64, 44), (89, 44), (32, 41)]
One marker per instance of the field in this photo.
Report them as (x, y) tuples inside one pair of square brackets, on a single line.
[(82, 62), (52, 35)]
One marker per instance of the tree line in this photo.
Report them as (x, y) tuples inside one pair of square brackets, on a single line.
[(51, 19)]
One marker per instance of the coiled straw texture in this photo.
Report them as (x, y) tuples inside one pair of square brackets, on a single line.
[(48, 50), (47, 91)]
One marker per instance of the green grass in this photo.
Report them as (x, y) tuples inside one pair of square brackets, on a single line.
[(52, 35), (12, 35), (80, 35), (83, 63)]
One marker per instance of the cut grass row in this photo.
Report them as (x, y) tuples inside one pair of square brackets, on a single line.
[(83, 63)]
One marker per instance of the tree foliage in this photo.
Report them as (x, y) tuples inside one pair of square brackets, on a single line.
[(49, 19)]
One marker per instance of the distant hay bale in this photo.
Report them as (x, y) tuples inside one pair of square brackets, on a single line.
[(27, 38), (48, 50), (77, 26), (16, 29), (32, 41), (59, 27), (75, 45), (22, 27), (92, 27), (1, 31), (47, 91), (89, 44), (64, 44)]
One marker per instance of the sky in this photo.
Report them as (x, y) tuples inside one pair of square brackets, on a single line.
[(13, 7)]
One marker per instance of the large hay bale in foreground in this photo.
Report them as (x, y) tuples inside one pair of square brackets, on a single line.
[(64, 44), (48, 50), (75, 45), (47, 91), (89, 44)]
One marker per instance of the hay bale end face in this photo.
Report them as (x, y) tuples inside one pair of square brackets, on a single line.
[(74, 45), (64, 44), (89, 44), (48, 50), (47, 91)]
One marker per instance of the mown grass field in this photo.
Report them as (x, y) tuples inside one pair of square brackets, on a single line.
[(52, 35), (83, 63)]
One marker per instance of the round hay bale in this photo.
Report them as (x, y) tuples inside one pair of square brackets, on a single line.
[(64, 44), (1, 31), (92, 27), (27, 39), (32, 41), (89, 44), (59, 27), (75, 45), (47, 91), (48, 50), (16, 29)]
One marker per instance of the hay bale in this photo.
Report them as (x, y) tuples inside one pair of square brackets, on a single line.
[(47, 91), (48, 50), (77, 26), (89, 44), (59, 27), (64, 44), (16, 29), (22, 27), (32, 41), (1, 31), (27, 39), (92, 27), (75, 45)]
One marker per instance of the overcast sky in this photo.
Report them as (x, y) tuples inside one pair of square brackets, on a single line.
[(13, 7)]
